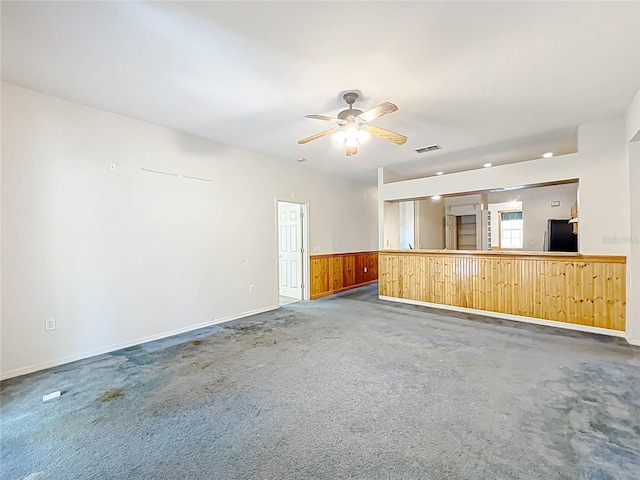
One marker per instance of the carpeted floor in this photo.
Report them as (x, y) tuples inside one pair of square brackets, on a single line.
[(287, 300), (343, 387)]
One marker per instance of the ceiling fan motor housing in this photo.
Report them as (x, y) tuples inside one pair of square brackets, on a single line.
[(350, 112)]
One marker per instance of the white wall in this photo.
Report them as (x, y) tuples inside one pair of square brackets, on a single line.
[(118, 258), (391, 236), (601, 166), (632, 119), (632, 123), (407, 225), (633, 262), (430, 224)]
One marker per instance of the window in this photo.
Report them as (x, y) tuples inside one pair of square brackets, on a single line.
[(511, 230)]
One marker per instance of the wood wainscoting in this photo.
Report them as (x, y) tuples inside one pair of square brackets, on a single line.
[(336, 272), (586, 290)]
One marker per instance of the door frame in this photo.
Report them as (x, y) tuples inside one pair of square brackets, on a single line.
[(305, 245)]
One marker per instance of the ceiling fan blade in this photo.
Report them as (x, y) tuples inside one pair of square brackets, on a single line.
[(387, 135), (351, 151), (325, 118), (317, 135), (378, 111)]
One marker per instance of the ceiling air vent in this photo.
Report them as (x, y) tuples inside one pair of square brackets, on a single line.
[(430, 148)]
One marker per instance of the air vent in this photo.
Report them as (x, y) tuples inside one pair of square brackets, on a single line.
[(430, 148)]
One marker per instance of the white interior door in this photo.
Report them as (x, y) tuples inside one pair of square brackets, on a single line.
[(290, 249)]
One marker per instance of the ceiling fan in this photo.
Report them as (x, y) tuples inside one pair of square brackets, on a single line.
[(353, 127)]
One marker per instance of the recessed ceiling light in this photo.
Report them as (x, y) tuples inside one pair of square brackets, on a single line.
[(439, 173), (486, 165), (300, 159), (436, 197), (547, 155)]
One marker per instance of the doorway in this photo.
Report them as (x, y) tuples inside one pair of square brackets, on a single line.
[(291, 251)]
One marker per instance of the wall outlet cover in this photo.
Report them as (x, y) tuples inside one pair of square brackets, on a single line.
[(50, 324)]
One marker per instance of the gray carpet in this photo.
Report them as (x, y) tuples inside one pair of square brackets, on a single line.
[(343, 387)]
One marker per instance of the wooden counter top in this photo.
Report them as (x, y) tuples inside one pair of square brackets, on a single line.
[(512, 254)]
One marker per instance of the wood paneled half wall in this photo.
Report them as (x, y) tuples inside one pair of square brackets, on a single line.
[(586, 290), (336, 272)]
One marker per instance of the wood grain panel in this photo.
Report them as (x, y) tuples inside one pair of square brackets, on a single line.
[(581, 289), (336, 275), (337, 272), (349, 270), (319, 281)]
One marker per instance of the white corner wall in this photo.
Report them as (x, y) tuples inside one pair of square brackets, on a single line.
[(632, 121), (633, 262), (121, 258)]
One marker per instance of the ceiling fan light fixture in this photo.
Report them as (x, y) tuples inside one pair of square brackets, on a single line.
[(351, 135), (363, 135), (351, 142), (340, 136), (351, 132)]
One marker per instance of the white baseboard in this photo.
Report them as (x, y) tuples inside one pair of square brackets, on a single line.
[(517, 318), (633, 341), (16, 372)]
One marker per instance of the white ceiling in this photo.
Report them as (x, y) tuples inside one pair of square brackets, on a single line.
[(488, 81)]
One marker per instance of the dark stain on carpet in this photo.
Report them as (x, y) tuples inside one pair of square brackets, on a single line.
[(114, 394)]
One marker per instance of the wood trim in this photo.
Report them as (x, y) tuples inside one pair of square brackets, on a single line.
[(515, 254), (579, 289), (336, 272), (346, 254)]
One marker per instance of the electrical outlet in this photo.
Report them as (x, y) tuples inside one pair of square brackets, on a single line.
[(113, 167), (365, 269), (50, 324), (251, 288)]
